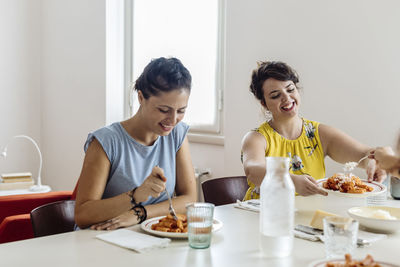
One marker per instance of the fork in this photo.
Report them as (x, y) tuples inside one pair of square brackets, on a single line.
[(171, 209), (349, 166)]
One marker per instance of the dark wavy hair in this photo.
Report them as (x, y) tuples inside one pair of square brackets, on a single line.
[(270, 69), (163, 75)]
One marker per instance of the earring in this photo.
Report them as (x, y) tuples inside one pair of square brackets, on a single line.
[(267, 114)]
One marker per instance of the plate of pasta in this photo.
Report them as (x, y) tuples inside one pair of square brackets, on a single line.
[(348, 261), (166, 226), (350, 186)]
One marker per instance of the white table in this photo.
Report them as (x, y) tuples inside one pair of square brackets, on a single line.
[(236, 244)]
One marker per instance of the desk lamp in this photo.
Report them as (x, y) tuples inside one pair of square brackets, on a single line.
[(38, 187)]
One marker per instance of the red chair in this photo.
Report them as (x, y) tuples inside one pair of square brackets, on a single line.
[(15, 220)]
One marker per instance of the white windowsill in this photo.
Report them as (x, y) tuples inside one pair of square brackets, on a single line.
[(206, 139)]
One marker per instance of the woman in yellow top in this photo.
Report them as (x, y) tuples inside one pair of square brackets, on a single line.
[(286, 134)]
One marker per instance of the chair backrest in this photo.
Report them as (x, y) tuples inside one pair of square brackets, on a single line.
[(225, 190), (53, 218)]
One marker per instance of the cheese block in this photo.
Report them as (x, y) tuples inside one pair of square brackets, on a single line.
[(317, 222)]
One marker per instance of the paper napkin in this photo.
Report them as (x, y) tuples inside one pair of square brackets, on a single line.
[(252, 205), (134, 240)]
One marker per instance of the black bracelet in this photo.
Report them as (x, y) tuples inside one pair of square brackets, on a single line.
[(138, 208), (140, 212), (133, 201)]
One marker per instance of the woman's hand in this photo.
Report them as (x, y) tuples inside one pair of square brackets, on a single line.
[(126, 219), (385, 158), (306, 185), (376, 172), (152, 186)]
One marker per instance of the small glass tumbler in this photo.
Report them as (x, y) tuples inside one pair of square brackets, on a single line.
[(340, 236), (200, 219), (395, 187)]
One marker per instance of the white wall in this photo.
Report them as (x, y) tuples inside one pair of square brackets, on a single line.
[(20, 96), (73, 84), (346, 53)]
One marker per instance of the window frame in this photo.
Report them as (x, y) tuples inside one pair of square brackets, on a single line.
[(210, 134)]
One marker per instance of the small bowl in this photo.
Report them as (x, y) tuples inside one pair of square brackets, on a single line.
[(364, 217)]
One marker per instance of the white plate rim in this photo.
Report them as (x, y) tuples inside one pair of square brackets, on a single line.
[(375, 224), (146, 226), (318, 263), (350, 212), (381, 189)]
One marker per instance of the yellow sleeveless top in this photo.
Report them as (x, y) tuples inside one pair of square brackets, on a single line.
[(305, 153)]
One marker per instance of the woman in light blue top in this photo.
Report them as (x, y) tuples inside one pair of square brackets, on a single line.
[(129, 164)]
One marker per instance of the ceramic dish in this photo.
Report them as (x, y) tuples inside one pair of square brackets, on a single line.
[(322, 263), (146, 226), (365, 216), (378, 189)]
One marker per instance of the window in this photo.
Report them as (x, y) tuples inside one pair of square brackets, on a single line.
[(192, 32)]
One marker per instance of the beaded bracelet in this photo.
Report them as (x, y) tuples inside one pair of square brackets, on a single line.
[(138, 208), (140, 212)]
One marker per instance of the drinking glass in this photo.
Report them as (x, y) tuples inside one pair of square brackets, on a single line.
[(395, 187), (200, 219), (340, 236)]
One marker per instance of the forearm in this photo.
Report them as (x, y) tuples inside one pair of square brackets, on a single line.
[(255, 173), (95, 211), (341, 147)]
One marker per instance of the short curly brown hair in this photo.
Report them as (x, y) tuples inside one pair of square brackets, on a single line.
[(270, 69)]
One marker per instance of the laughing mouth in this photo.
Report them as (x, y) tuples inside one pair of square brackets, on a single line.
[(289, 106)]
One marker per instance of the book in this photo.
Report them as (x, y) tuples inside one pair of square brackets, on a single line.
[(17, 180), (17, 175), (16, 186)]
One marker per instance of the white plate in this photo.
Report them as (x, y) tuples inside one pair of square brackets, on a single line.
[(146, 226), (363, 216), (322, 263), (378, 188)]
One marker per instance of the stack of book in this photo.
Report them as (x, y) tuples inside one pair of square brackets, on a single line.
[(14, 181)]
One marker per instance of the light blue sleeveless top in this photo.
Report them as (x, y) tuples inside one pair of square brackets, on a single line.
[(131, 162)]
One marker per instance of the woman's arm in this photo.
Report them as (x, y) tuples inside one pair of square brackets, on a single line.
[(89, 208), (342, 148), (254, 146), (185, 185), (253, 149), (185, 191)]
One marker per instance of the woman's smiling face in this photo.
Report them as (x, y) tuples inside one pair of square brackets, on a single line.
[(281, 98), (165, 110)]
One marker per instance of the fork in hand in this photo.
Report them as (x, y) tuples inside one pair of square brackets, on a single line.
[(349, 166), (171, 209)]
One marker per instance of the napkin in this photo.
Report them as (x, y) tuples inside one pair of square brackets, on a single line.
[(134, 240), (367, 236), (252, 205)]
